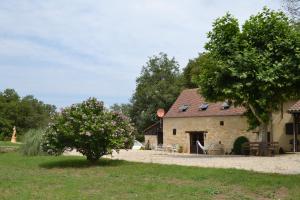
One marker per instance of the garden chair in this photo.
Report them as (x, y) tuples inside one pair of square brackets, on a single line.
[(175, 148), (204, 148)]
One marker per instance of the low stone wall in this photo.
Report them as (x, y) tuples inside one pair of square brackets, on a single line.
[(6, 149)]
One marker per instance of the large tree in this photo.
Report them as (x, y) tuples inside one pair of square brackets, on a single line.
[(192, 70), (256, 66), (123, 108), (157, 87)]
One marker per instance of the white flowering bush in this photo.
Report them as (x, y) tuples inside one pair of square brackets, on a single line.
[(90, 129)]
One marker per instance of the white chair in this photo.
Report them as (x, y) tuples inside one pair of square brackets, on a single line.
[(204, 148), (175, 148)]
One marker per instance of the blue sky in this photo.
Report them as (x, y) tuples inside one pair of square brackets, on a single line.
[(64, 51)]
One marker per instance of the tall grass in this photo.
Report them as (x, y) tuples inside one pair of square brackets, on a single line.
[(32, 142)]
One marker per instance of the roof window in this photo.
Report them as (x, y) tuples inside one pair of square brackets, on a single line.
[(225, 105), (203, 106), (183, 108)]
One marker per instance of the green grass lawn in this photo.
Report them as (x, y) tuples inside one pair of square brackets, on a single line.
[(45, 177), (9, 144)]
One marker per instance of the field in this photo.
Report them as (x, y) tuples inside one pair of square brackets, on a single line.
[(67, 177)]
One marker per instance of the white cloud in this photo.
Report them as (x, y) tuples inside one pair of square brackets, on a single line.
[(62, 51)]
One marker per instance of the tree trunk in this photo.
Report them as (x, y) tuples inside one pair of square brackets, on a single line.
[(263, 132), (92, 158)]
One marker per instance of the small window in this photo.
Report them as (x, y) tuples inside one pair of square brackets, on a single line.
[(183, 108), (289, 129), (221, 123), (174, 131), (225, 105), (203, 106)]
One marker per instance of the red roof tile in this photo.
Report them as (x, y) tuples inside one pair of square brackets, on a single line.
[(193, 99), (295, 107)]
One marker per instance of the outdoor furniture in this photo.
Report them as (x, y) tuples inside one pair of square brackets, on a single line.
[(159, 147), (259, 148), (175, 148), (273, 148), (204, 148)]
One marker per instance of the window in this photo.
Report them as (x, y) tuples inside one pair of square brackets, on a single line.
[(203, 106), (225, 105), (289, 128), (221, 123), (174, 131), (183, 108)]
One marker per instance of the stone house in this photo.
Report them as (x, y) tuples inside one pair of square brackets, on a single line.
[(191, 118)]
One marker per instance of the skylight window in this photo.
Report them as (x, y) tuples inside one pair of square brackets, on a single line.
[(183, 108), (225, 105), (203, 106)]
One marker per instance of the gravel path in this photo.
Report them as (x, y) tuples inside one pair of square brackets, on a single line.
[(283, 164)]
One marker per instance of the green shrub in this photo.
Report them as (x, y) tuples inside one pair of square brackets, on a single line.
[(32, 142), (238, 145), (90, 129)]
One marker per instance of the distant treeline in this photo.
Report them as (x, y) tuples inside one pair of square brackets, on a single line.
[(23, 112)]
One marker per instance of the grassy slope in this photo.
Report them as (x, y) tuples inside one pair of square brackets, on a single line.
[(46, 177)]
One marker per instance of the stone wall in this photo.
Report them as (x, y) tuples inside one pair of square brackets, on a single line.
[(152, 140), (234, 127), (278, 126)]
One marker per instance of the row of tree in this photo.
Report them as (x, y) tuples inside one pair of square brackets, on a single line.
[(256, 65), (23, 112)]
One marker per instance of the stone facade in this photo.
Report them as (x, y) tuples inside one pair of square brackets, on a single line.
[(226, 134), (232, 128), (152, 139), (278, 127), (218, 124)]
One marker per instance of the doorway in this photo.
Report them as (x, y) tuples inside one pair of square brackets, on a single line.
[(194, 136), (160, 137)]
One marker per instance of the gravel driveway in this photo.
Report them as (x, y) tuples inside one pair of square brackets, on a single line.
[(283, 164)]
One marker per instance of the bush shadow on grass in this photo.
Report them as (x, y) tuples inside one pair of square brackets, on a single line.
[(76, 163)]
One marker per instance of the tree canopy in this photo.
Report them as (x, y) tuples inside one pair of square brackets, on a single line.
[(256, 66), (192, 70), (123, 108), (24, 113), (157, 87)]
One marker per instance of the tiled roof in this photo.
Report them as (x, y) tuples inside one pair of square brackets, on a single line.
[(193, 99), (295, 107)]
